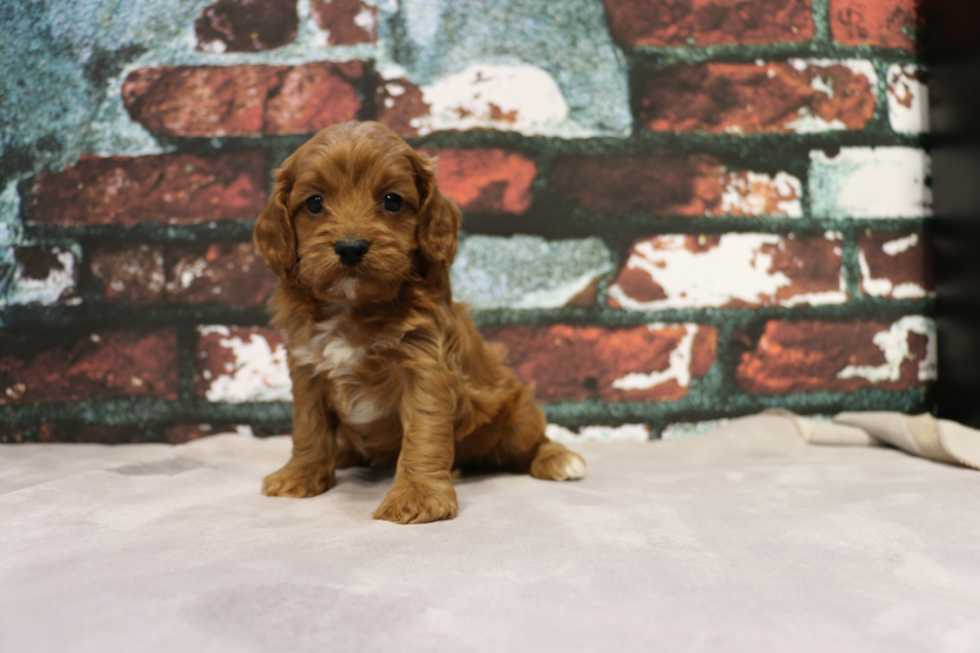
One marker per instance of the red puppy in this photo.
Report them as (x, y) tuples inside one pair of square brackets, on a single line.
[(386, 368)]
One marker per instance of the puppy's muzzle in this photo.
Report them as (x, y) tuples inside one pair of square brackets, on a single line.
[(351, 252)]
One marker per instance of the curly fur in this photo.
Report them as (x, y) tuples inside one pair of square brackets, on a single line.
[(386, 368)]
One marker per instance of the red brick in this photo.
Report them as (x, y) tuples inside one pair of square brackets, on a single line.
[(572, 363), (239, 364), (106, 364), (674, 184), (312, 97), (88, 433), (678, 184), (682, 271), (883, 23), (170, 188), (399, 102), (752, 98), (230, 274), (246, 25), (340, 19), (708, 22), (486, 180), (809, 356), (896, 265), (201, 101), (247, 100), (131, 274)]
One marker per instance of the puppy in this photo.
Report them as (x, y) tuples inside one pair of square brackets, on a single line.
[(386, 369)]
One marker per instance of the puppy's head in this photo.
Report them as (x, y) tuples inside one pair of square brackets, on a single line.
[(355, 213)]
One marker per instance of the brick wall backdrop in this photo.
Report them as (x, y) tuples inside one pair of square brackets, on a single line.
[(675, 211)]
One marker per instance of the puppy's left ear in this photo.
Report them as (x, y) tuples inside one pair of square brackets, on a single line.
[(439, 217)]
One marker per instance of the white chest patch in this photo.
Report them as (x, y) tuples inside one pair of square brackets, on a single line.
[(329, 352), (314, 351), (337, 357)]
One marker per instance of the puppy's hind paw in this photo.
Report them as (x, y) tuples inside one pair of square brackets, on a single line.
[(554, 462), (298, 481)]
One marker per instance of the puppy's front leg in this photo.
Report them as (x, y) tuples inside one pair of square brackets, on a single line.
[(423, 490), (311, 470)]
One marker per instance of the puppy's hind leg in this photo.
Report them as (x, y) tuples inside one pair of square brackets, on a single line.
[(528, 450)]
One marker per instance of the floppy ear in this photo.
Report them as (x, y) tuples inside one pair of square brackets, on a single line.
[(274, 235), (439, 217)]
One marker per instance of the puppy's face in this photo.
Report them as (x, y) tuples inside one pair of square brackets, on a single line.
[(355, 213), (355, 209)]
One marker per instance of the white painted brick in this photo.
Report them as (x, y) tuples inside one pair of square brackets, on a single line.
[(624, 433), (57, 287), (677, 271), (908, 99), (519, 98), (748, 193), (866, 182), (257, 370)]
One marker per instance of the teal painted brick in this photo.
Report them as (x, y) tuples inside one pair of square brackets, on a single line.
[(870, 182), (527, 271)]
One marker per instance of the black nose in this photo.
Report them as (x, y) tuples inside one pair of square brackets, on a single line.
[(351, 252)]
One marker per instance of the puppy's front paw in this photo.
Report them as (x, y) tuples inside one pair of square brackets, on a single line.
[(418, 503), (298, 481)]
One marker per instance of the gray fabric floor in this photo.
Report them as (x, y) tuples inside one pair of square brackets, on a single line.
[(744, 539)]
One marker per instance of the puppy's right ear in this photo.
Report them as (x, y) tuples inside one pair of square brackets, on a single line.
[(274, 235)]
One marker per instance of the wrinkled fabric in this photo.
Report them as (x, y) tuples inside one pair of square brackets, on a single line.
[(923, 435), (744, 539)]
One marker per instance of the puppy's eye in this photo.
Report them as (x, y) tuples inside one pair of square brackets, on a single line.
[(314, 204), (392, 202)]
